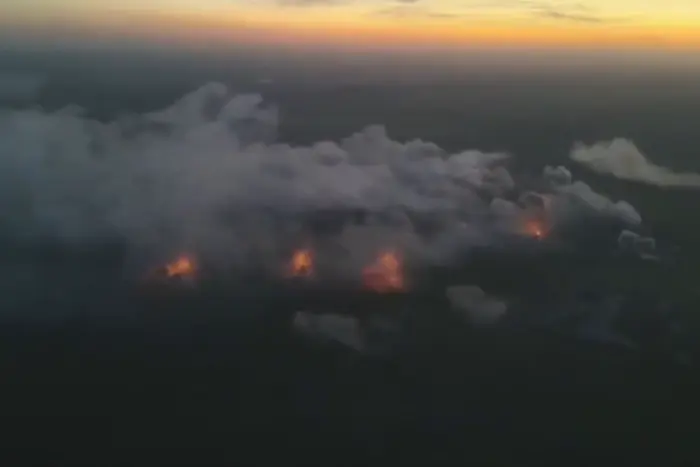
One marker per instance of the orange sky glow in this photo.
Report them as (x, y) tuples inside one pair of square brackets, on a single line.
[(267, 26)]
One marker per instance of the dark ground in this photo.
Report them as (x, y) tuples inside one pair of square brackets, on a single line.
[(217, 377), (227, 392)]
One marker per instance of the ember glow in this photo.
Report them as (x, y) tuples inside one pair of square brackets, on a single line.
[(385, 274), (301, 264), (535, 229), (183, 266)]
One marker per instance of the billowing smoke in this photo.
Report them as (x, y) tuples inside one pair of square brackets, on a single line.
[(204, 175), (477, 308), (622, 159)]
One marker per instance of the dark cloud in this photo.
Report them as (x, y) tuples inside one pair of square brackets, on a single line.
[(303, 3), (569, 12), (410, 9), (553, 14), (574, 12), (553, 9)]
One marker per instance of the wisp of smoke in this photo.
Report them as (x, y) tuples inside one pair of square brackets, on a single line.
[(472, 302), (204, 175), (622, 159)]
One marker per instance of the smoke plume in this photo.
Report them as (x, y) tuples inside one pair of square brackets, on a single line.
[(206, 176), (622, 159)]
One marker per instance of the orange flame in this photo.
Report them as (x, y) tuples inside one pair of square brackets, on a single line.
[(182, 266), (302, 264), (385, 274)]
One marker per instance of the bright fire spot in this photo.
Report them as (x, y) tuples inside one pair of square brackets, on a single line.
[(534, 229), (385, 274), (302, 264), (183, 266)]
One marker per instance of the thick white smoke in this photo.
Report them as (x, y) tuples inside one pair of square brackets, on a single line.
[(622, 159), (204, 175)]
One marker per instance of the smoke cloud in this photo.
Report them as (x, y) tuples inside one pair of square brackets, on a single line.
[(622, 159), (337, 328), (478, 308), (206, 176)]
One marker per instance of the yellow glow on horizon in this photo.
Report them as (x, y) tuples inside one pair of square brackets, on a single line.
[(356, 26)]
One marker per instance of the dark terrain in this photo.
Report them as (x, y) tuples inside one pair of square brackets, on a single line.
[(110, 396), (215, 374)]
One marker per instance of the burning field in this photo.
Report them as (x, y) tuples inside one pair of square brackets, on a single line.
[(183, 260), (191, 204)]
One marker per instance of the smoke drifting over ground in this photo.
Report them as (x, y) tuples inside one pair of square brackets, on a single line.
[(205, 176), (622, 159)]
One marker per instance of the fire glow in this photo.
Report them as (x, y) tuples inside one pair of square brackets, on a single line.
[(534, 229), (301, 264), (182, 266), (385, 274)]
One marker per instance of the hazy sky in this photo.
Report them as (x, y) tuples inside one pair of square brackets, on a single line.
[(366, 23)]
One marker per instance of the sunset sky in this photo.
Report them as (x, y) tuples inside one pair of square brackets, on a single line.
[(366, 23)]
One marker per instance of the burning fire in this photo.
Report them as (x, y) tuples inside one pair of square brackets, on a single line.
[(535, 229), (385, 274), (301, 264), (182, 266)]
